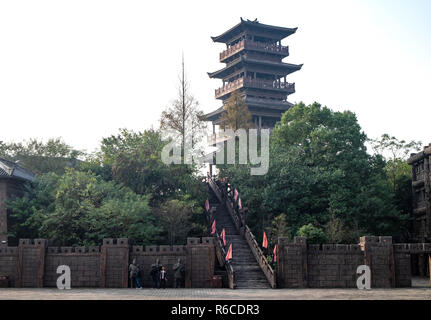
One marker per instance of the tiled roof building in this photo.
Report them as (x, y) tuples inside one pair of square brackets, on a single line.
[(12, 177)]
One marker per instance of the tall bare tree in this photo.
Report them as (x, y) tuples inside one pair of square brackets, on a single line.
[(184, 115)]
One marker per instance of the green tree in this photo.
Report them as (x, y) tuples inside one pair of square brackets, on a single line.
[(184, 115), (313, 234), (24, 220), (236, 114), (175, 216), (135, 159), (39, 157), (395, 152), (79, 208), (319, 170), (278, 229)]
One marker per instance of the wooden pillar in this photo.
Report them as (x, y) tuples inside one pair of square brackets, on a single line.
[(260, 123)]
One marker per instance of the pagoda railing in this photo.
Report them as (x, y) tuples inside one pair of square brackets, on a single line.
[(229, 87), (285, 87), (265, 84), (253, 45)]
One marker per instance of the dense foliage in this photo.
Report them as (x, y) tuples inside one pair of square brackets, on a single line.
[(322, 183), (322, 179), (120, 192)]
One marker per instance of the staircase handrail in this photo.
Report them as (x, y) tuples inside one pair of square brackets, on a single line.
[(260, 257), (219, 194), (240, 221), (221, 254)]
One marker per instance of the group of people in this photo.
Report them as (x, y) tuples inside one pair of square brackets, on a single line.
[(158, 274)]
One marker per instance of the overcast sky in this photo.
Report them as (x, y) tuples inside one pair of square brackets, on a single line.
[(81, 70)]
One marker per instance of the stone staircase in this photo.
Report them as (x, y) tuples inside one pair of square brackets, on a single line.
[(248, 274)]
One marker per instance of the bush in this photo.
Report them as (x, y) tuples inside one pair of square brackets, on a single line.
[(313, 234)]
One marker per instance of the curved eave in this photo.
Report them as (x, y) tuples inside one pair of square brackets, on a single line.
[(279, 32), (287, 67), (212, 116)]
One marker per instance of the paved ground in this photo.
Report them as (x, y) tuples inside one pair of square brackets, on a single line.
[(422, 291)]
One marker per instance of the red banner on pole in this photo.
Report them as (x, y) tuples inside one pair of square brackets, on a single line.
[(213, 227), (275, 253), (229, 253), (265, 241), (239, 203), (207, 205), (236, 194), (223, 236)]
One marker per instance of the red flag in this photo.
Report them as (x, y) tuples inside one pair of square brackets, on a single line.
[(265, 240), (223, 236), (236, 194), (213, 227), (207, 205), (275, 253), (229, 253), (239, 203)]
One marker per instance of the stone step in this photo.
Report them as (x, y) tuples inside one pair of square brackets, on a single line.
[(247, 271), (250, 277), (252, 285)]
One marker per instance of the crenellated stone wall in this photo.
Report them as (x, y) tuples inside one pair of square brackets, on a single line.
[(34, 264), (334, 265), (300, 265)]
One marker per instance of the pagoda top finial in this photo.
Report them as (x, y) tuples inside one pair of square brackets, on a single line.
[(277, 33), (248, 20)]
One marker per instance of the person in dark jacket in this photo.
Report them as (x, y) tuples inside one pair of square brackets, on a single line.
[(155, 273), (163, 278)]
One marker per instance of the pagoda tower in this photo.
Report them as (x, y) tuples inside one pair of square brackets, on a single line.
[(254, 66)]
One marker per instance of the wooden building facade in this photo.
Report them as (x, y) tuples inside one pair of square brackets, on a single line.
[(421, 184), (254, 66)]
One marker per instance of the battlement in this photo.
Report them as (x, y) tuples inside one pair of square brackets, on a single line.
[(158, 249), (73, 250), (334, 248), (33, 242), (203, 240), (8, 251), (116, 241), (412, 247), (376, 239)]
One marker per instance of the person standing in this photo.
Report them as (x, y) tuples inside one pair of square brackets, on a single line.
[(178, 274), (139, 276), (133, 275), (155, 273), (163, 278)]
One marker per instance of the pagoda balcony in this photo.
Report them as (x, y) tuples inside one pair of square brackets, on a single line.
[(284, 87), (254, 45)]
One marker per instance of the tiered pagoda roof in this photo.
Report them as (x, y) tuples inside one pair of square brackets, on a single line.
[(254, 67)]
